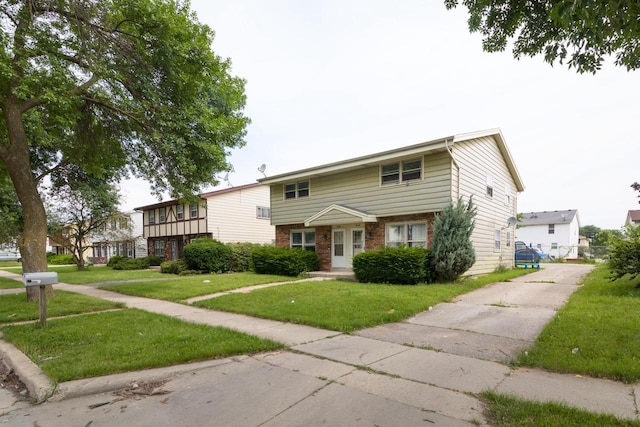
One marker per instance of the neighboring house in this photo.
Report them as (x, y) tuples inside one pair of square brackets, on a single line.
[(633, 218), (391, 198), (122, 236), (555, 232), (237, 214), (63, 241)]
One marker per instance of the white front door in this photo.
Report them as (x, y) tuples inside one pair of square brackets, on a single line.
[(338, 258), (357, 242)]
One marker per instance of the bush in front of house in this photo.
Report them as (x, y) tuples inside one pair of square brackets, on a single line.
[(155, 260), (208, 255), (60, 259), (174, 267), (401, 266), (241, 256), (115, 259), (131, 264), (451, 247), (284, 261)]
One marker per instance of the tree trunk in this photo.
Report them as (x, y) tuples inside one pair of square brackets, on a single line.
[(16, 158)]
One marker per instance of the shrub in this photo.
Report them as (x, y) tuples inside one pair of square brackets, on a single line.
[(60, 259), (402, 266), (451, 248), (114, 260), (625, 254), (241, 256), (208, 255), (283, 261), (131, 264), (174, 267), (155, 260), (189, 272)]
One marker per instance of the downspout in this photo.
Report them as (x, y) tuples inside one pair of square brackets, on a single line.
[(455, 163)]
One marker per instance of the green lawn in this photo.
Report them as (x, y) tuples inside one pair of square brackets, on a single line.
[(10, 283), (506, 411), (601, 322), (177, 288), (346, 306), (125, 340), (16, 308), (95, 274)]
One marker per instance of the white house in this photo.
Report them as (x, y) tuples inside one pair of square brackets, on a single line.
[(391, 198), (232, 215), (122, 235), (554, 232)]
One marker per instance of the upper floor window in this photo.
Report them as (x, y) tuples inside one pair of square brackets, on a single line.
[(180, 212), (296, 190), (407, 170), (263, 213), (407, 234), (489, 186), (304, 240), (552, 228), (163, 214), (193, 208), (507, 194), (152, 217)]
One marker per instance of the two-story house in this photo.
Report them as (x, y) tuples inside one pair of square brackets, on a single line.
[(391, 198), (633, 217), (121, 235), (556, 233), (231, 215)]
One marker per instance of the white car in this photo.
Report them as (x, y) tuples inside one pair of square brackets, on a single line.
[(9, 256)]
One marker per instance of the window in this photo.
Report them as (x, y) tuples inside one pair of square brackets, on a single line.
[(163, 214), (554, 245), (263, 213), (158, 248), (405, 171), (152, 217), (180, 212), (496, 240), (193, 208), (552, 228), (296, 190), (489, 186), (409, 234), (114, 224), (304, 240), (507, 195), (508, 239)]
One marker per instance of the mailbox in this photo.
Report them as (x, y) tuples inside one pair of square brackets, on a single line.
[(38, 279)]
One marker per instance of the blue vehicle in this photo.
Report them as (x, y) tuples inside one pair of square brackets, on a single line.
[(526, 254)]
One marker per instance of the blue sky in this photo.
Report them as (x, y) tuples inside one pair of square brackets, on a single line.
[(330, 80)]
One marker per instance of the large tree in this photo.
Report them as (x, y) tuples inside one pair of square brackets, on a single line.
[(582, 33), (115, 88)]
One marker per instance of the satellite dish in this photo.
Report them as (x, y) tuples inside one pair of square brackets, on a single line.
[(262, 168), (511, 221)]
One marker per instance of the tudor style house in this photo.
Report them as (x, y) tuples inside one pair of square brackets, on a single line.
[(231, 215), (556, 233), (391, 198)]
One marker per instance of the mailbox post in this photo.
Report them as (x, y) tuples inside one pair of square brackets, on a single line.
[(41, 280)]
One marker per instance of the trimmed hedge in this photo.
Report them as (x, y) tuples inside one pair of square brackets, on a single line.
[(208, 255), (155, 260), (60, 259), (131, 264), (114, 260), (174, 267), (241, 256), (284, 261), (402, 266)]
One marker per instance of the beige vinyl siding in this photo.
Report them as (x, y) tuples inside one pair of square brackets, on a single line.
[(232, 216), (361, 190), (476, 159)]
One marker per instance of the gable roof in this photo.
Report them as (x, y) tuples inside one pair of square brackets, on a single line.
[(338, 214), (634, 215), (548, 217), (202, 196), (435, 145)]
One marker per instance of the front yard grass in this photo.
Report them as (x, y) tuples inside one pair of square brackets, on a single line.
[(596, 333), (16, 308), (125, 340), (96, 274), (10, 283), (181, 288), (506, 411), (346, 306)]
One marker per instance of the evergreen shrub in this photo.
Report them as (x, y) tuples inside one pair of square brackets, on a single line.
[(284, 261), (401, 266), (207, 255)]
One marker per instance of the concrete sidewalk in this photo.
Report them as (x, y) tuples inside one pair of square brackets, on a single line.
[(421, 371)]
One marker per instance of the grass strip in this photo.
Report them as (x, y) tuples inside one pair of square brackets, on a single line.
[(10, 283), (506, 411), (346, 306), (125, 340), (596, 333), (181, 288), (16, 308)]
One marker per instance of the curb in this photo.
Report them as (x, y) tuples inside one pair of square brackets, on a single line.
[(37, 382)]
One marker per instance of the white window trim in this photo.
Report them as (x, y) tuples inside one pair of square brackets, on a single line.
[(304, 243), (489, 188), (405, 223), (297, 190), (497, 240), (152, 217), (180, 212), (400, 164), (260, 210)]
